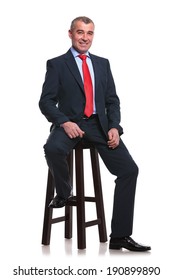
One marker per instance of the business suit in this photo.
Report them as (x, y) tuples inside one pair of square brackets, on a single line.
[(63, 85)]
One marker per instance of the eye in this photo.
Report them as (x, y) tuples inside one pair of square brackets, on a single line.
[(79, 32)]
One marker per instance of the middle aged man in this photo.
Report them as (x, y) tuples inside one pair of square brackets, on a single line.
[(79, 98)]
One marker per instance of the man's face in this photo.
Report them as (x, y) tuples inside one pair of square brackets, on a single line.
[(82, 36)]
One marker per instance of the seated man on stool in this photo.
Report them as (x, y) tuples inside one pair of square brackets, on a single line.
[(79, 98)]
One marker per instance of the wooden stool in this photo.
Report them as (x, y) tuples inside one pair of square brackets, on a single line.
[(78, 200)]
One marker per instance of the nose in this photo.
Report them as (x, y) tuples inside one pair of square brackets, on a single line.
[(85, 36)]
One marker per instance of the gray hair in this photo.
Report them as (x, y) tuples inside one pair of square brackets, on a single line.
[(84, 19)]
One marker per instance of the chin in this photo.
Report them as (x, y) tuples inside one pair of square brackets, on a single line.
[(83, 50)]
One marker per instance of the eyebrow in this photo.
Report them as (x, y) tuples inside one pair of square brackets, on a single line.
[(81, 30)]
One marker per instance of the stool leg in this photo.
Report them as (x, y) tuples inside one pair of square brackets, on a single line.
[(98, 194), (69, 209), (68, 221), (81, 231), (47, 223)]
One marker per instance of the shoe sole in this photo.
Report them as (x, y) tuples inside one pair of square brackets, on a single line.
[(118, 247)]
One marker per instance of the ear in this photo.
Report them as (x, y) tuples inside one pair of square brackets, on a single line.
[(70, 34)]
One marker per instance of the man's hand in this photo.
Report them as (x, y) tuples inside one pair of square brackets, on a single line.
[(72, 129), (113, 137)]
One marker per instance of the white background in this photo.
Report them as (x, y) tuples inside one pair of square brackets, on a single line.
[(136, 36)]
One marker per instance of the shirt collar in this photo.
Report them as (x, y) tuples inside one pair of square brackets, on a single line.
[(75, 53)]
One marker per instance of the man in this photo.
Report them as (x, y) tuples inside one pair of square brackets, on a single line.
[(85, 105)]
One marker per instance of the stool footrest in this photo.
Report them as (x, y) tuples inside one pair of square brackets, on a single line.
[(93, 223), (73, 201), (90, 199), (58, 220)]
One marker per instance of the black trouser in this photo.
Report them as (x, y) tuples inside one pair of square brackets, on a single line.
[(118, 161)]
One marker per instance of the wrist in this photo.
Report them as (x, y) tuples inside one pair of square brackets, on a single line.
[(63, 124)]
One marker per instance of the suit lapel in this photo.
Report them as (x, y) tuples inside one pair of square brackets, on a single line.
[(97, 73), (71, 64)]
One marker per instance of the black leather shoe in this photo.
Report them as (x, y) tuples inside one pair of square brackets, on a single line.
[(58, 202), (127, 243)]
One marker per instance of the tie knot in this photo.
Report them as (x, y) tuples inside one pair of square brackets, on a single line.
[(82, 56)]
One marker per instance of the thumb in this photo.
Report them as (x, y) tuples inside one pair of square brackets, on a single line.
[(109, 135)]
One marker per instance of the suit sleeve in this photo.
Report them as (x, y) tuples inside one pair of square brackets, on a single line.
[(48, 102), (112, 103)]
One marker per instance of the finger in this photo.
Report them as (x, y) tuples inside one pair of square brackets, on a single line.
[(110, 136), (73, 134), (80, 132), (76, 133), (111, 142)]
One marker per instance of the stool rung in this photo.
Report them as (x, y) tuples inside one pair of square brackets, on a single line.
[(73, 202), (93, 223), (90, 199), (57, 220)]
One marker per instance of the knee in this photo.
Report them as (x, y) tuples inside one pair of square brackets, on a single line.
[(132, 169), (129, 169), (50, 149)]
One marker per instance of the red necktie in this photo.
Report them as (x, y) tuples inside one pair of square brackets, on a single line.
[(87, 87)]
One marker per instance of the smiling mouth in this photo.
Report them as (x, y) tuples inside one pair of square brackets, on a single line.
[(83, 44)]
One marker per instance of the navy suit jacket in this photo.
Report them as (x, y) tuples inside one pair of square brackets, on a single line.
[(63, 97)]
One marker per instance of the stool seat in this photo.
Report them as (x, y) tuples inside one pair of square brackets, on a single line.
[(78, 200)]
